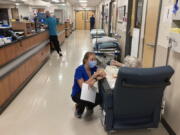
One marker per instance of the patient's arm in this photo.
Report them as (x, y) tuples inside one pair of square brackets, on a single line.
[(116, 63)]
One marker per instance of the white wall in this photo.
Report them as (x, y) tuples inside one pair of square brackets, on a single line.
[(142, 30), (172, 93), (24, 10), (121, 27), (9, 6)]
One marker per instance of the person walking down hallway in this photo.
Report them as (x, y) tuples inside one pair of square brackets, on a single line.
[(92, 22), (51, 22)]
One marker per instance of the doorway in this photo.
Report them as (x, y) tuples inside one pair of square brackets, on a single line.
[(59, 13), (113, 18), (136, 25), (102, 25), (151, 32), (83, 19), (4, 17)]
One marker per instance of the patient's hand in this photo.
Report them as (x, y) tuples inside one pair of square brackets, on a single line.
[(101, 74)]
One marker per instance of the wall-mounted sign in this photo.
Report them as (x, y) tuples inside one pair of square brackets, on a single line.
[(106, 13), (121, 13)]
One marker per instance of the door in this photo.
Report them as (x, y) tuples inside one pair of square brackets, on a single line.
[(83, 19), (59, 14), (136, 24), (4, 15), (80, 20), (151, 27), (15, 13), (113, 18), (88, 16), (102, 25)]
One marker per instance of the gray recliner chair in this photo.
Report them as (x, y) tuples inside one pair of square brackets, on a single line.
[(135, 102)]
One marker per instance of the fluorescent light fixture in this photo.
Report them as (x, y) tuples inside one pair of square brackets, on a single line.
[(83, 1), (84, 5), (18, 1), (17, 4), (61, 4), (56, 1)]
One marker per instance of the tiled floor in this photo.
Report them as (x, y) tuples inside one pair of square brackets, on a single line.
[(44, 107)]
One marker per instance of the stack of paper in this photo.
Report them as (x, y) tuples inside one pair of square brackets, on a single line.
[(88, 93)]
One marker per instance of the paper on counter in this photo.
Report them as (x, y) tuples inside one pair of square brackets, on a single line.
[(88, 93)]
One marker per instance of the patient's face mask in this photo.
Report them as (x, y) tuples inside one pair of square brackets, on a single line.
[(92, 63)]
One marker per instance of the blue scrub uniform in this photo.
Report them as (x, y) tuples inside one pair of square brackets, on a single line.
[(76, 90), (80, 74), (52, 26)]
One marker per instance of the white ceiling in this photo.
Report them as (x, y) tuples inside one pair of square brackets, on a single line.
[(76, 3), (90, 3)]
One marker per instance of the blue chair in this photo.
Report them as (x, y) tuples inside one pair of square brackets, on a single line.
[(135, 102)]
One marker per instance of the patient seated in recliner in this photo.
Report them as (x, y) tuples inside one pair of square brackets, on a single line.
[(129, 61)]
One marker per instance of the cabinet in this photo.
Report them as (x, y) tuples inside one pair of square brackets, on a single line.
[(14, 50), (67, 29), (61, 33), (23, 26), (10, 84), (13, 80)]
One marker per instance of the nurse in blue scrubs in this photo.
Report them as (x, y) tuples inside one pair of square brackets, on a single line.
[(86, 73)]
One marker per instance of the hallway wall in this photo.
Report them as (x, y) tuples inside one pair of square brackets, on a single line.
[(172, 94), (99, 16), (121, 26)]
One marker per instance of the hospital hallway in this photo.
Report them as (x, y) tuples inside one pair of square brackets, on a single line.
[(44, 107)]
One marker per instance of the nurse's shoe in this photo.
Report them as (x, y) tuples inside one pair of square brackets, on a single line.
[(89, 111), (60, 54), (77, 115)]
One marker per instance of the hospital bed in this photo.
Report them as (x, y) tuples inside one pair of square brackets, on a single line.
[(106, 49), (97, 33)]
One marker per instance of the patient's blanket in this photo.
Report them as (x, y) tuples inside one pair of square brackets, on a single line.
[(111, 75), (105, 42), (97, 33)]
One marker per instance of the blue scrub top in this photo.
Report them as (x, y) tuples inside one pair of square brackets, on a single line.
[(80, 73), (52, 26)]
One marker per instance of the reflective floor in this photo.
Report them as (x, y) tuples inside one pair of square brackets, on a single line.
[(44, 107)]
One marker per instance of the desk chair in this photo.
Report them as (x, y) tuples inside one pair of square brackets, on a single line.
[(135, 102)]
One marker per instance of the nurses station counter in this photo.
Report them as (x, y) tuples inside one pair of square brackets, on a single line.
[(19, 61), (61, 33)]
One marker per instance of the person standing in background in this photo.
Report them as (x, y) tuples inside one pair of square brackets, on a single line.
[(51, 22), (92, 22)]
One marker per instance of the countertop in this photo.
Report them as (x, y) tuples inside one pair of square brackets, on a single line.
[(26, 37)]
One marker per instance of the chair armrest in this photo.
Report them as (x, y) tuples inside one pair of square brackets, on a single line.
[(107, 103), (107, 94), (105, 86)]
